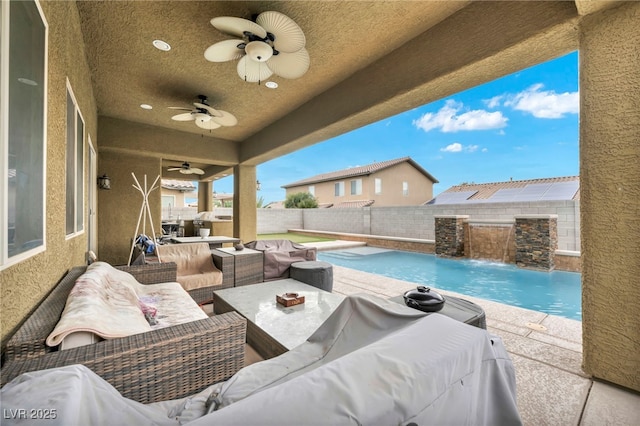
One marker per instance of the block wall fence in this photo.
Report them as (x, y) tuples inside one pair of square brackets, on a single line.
[(418, 222)]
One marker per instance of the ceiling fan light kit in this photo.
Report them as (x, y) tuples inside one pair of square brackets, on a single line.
[(274, 44)]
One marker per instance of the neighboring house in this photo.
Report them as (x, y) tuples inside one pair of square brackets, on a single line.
[(546, 189), (399, 182), (174, 192)]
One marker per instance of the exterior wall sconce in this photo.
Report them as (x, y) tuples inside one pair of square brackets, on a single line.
[(258, 185), (104, 182)]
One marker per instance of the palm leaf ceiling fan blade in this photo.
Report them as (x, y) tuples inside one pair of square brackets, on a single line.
[(224, 51), (237, 26), (187, 116), (252, 71), (288, 35), (192, 171), (290, 65), (208, 124), (226, 119)]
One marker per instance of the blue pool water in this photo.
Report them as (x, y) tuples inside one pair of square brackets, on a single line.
[(556, 292)]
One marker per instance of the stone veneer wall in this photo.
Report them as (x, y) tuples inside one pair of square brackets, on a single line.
[(536, 241), (450, 235)]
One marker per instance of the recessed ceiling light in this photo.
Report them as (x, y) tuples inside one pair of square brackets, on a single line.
[(162, 45), (146, 106), (271, 84)]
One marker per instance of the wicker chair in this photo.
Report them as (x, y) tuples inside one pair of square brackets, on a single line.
[(197, 271), (162, 364)]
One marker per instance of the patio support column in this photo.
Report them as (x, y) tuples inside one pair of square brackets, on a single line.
[(205, 196), (244, 203), (610, 193)]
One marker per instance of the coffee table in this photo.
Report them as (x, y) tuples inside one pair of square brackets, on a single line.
[(273, 329)]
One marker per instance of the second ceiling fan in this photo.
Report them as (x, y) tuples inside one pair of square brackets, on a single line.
[(205, 116)]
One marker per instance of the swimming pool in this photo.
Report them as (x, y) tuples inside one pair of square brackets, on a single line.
[(556, 292)]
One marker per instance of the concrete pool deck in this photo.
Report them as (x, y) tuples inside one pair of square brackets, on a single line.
[(546, 350)]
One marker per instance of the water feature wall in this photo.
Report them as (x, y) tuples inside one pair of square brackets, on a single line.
[(490, 240)]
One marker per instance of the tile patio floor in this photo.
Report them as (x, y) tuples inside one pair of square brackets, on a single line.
[(546, 350)]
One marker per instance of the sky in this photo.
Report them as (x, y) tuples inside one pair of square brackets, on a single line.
[(522, 126)]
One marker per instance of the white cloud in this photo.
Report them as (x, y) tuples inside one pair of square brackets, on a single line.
[(544, 103), (457, 147), (493, 102), (454, 147), (485, 150), (449, 120)]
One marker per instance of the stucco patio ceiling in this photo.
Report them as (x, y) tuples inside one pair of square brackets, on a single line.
[(369, 60)]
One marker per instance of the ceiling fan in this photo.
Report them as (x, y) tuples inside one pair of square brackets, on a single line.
[(205, 116), (186, 169), (273, 44)]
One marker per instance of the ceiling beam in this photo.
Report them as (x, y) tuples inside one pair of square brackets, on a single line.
[(159, 142)]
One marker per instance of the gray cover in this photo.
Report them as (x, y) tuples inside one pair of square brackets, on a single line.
[(280, 254), (373, 362)]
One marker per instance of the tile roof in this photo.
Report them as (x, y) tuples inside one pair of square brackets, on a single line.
[(478, 192), (360, 171), (178, 185), (353, 204)]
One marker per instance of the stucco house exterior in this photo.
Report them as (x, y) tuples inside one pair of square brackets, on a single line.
[(398, 182)]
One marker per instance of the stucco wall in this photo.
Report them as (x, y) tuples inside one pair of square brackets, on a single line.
[(610, 180), (119, 208), (26, 283)]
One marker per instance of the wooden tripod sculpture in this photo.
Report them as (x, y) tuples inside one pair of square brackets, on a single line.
[(144, 209)]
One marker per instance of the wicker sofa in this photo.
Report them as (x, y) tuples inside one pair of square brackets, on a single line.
[(158, 365)]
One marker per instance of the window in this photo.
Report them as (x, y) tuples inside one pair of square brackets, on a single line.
[(23, 71), (378, 186), (405, 188), (75, 166), (312, 190), (339, 189), (356, 187)]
